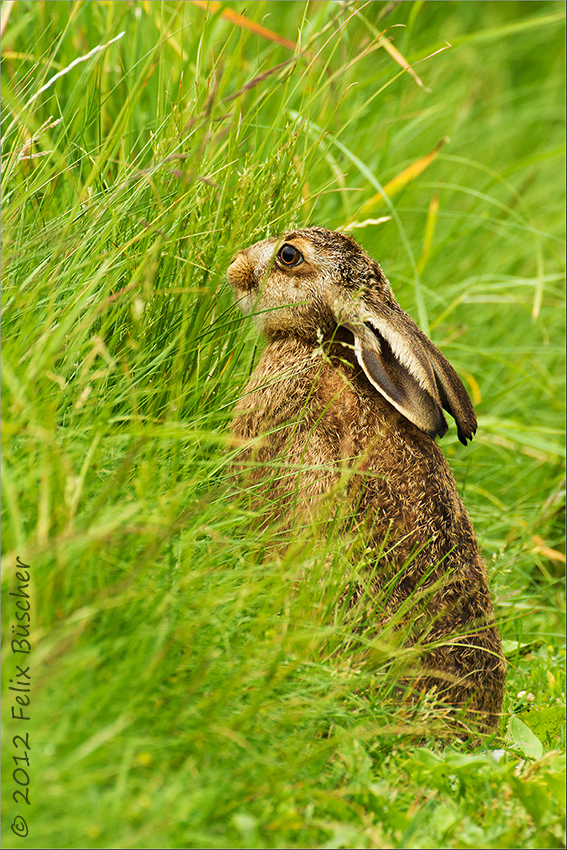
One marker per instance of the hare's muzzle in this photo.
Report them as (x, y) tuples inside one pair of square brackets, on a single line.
[(240, 273)]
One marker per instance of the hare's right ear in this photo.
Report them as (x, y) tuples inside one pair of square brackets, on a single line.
[(408, 370)]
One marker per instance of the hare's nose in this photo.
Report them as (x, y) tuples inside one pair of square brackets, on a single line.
[(240, 273)]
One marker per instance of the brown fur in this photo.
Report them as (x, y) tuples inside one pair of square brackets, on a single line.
[(344, 372)]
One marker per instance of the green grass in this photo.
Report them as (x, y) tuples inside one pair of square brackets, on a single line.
[(191, 685)]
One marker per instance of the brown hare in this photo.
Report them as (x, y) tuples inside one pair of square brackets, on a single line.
[(348, 380)]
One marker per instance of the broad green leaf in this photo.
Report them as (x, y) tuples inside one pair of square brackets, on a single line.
[(523, 739)]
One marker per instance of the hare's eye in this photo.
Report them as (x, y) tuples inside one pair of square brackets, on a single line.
[(289, 255)]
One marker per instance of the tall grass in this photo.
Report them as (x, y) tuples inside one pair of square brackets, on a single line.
[(193, 684)]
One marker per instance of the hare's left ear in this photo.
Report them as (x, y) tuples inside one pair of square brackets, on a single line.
[(408, 370)]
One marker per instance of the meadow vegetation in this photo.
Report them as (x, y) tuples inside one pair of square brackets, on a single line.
[(193, 684)]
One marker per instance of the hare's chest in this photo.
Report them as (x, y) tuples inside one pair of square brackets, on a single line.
[(337, 410)]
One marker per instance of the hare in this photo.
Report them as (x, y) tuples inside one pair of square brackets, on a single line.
[(348, 380)]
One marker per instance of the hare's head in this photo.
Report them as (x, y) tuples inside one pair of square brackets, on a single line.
[(311, 282), (293, 284)]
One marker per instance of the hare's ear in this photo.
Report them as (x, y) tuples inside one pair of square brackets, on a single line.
[(454, 396), (410, 372)]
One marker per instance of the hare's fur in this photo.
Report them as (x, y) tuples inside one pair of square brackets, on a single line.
[(348, 380)]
